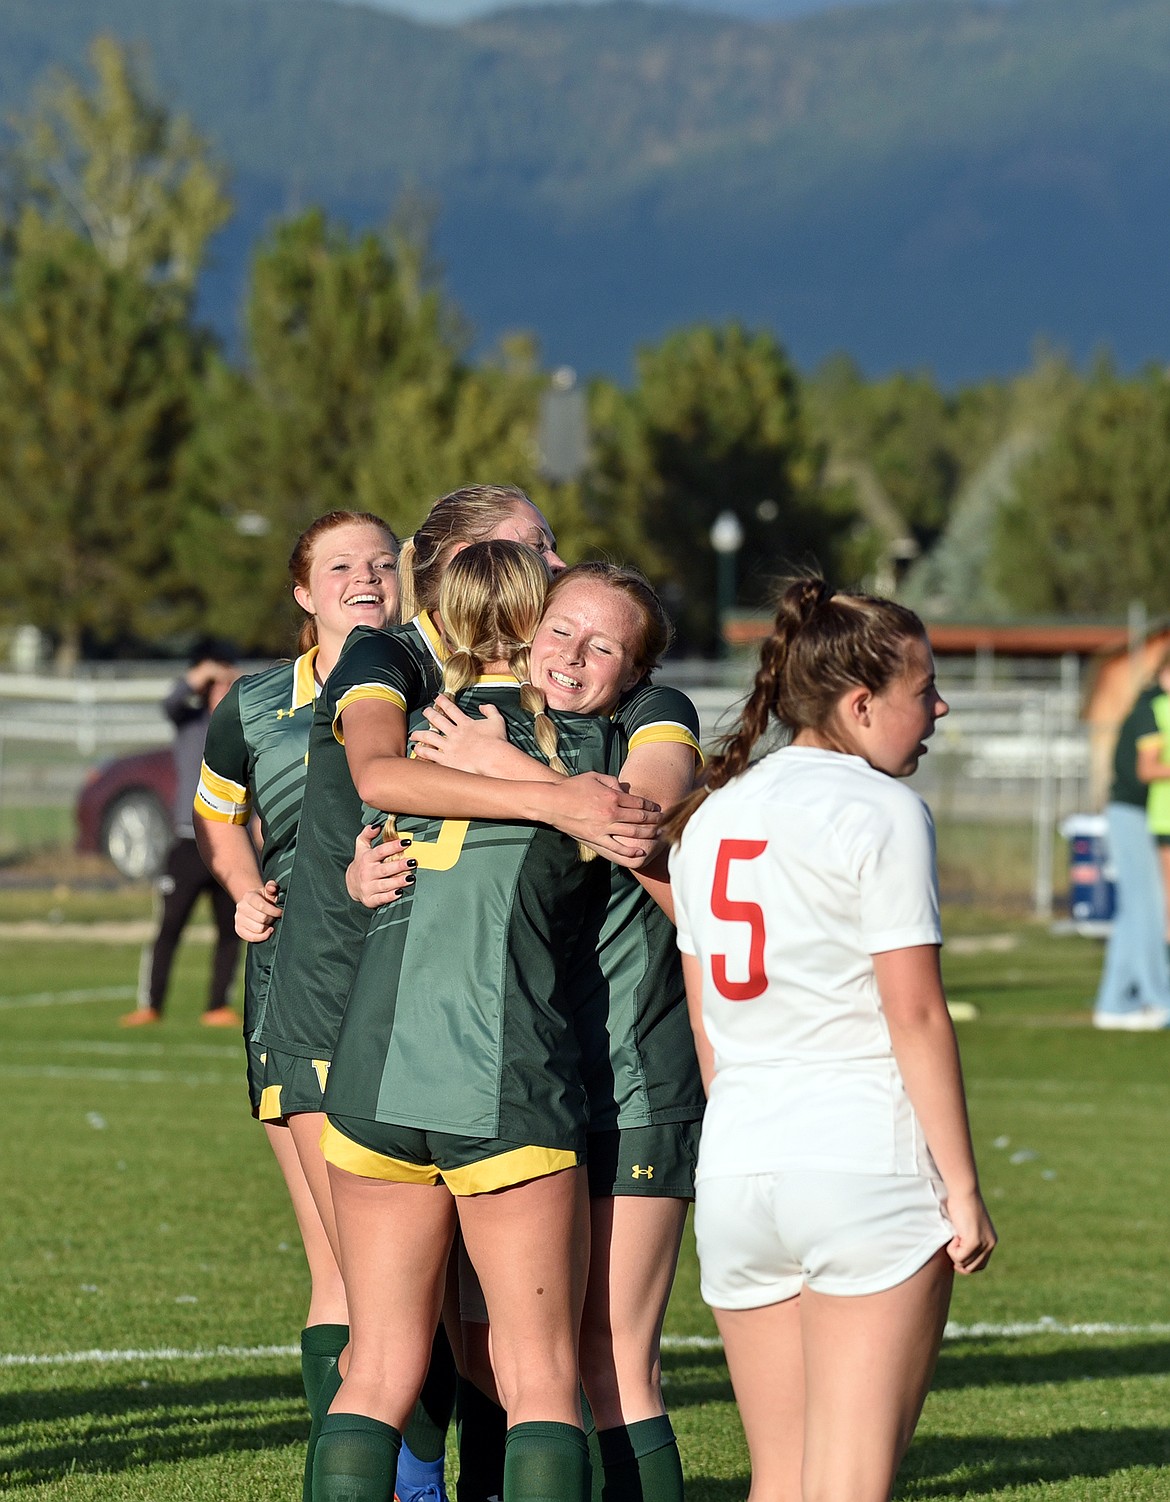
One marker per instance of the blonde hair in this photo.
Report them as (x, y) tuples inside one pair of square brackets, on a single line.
[(822, 644), (468, 515), (300, 562), (490, 604)]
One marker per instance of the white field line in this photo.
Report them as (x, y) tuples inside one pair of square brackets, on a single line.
[(160, 1353), (1012, 1331), (113, 1076), (66, 998), (136, 1050)]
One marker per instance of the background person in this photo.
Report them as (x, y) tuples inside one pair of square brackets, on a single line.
[(184, 876), (836, 1189), (1134, 991)]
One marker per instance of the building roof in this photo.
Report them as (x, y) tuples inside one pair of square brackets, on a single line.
[(1013, 639)]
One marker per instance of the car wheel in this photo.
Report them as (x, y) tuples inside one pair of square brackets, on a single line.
[(136, 834)]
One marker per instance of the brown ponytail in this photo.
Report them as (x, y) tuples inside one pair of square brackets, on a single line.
[(822, 644)]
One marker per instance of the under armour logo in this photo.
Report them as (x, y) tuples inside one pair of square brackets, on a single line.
[(285, 714), (643, 1173)]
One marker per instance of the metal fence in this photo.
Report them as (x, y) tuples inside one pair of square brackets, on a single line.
[(1006, 766)]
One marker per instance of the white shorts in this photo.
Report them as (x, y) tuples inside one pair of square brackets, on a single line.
[(764, 1237)]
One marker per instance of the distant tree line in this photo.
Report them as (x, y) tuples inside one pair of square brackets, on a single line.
[(150, 487)]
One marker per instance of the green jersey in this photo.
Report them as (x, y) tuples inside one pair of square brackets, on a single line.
[(254, 763), (318, 940), (638, 1052), (459, 1020), (1140, 725)]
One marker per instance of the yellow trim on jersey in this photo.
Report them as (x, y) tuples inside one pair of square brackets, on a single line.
[(431, 634), (666, 732), (440, 854), (221, 800), (344, 1152), (304, 679), (321, 1070), (496, 680), (377, 692), (502, 1171), (270, 1103), (1152, 738)]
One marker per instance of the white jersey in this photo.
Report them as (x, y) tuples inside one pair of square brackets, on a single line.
[(786, 882)]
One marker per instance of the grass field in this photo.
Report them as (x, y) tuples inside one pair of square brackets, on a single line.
[(153, 1284)]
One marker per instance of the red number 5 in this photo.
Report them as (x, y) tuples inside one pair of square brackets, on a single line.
[(738, 912)]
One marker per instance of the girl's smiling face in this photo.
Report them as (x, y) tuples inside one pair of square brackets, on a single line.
[(584, 651), (352, 580)]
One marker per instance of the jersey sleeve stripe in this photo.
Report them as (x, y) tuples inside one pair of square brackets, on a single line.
[(221, 800), (668, 732), (378, 692)]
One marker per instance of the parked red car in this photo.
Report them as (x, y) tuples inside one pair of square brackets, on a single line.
[(124, 811)]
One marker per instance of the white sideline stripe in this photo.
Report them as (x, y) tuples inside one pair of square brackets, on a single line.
[(135, 1050), (160, 1353), (112, 1076), (1013, 1331), (66, 998)]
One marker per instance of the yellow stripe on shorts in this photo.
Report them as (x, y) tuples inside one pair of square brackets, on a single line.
[(506, 1169), (344, 1152)]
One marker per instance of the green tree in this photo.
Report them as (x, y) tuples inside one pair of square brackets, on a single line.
[(352, 359), (116, 167), (1086, 527), (111, 203), (95, 392), (918, 443), (714, 424)]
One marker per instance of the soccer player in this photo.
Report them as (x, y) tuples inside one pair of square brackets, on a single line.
[(456, 1080), (602, 634), (837, 1192), (343, 574)]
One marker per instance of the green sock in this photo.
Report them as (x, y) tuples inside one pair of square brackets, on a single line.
[(425, 1433), (483, 1426), (327, 1391), (546, 1462), (321, 1345), (595, 1465), (356, 1459), (641, 1462)]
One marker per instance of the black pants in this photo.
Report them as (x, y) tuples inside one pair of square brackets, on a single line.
[(183, 879)]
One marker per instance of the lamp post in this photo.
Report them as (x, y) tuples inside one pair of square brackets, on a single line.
[(726, 540)]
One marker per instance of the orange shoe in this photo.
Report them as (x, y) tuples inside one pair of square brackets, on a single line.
[(140, 1017), (221, 1017)]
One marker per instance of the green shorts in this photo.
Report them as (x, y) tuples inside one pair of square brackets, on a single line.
[(290, 1085), (411, 1155), (656, 1162)]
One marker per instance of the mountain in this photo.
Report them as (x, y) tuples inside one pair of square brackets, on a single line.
[(923, 182)]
